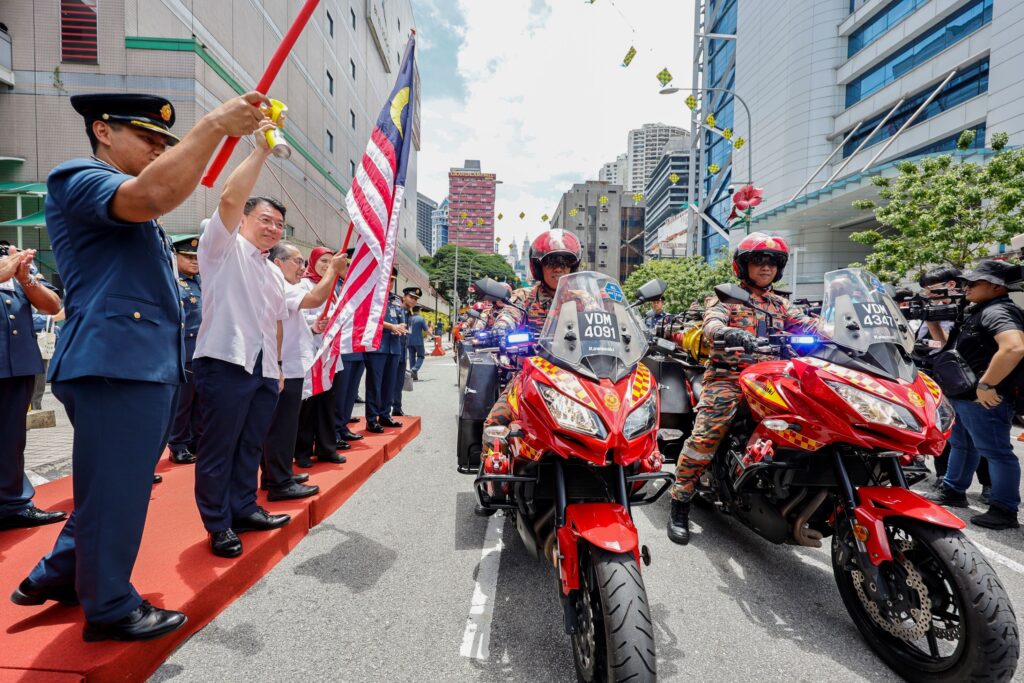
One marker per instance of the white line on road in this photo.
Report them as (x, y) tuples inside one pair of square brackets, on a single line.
[(1000, 559), (476, 638)]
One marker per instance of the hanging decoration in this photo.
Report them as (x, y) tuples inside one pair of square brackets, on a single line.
[(710, 120), (738, 143), (638, 197), (727, 133), (500, 216), (522, 215), (602, 199), (691, 102), (463, 215), (629, 56), (573, 212), (479, 221), (714, 168), (544, 218), (743, 202), (674, 178), (664, 77)]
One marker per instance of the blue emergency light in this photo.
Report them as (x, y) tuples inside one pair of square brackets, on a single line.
[(803, 340), (518, 338)]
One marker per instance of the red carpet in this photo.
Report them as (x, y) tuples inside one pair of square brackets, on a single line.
[(175, 569)]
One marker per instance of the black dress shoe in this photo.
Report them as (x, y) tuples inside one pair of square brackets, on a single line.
[(388, 422), (157, 478), (349, 435), (30, 593), (415, 376), (293, 492), (261, 520), (359, 399), (225, 543), (30, 517), (334, 458), (374, 427), (342, 445), (353, 420), (297, 478), (398, 413), (304, 463), (182, 457), (145, 622)]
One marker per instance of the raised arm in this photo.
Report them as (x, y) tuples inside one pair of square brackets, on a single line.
[(242, 180)]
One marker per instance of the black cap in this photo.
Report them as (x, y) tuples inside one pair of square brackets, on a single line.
[(143, 111), (185, 244), (996, 272), (413, 291)]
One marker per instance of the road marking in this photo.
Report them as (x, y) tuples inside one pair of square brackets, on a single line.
[(807, 559), (476, 638), (35, 479), (999, 558)]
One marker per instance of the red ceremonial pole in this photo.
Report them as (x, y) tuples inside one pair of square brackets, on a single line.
[(276, 62), (330, 297)]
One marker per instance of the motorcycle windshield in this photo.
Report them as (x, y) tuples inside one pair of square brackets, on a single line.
[(857, 312), (589, 328)]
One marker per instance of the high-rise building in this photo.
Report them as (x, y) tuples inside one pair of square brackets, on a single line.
[(608, 223), (667, 192), (867, 84), (198, 55), (439, 226), (616, 172), (471, 207), (643, 149), (425, 207)]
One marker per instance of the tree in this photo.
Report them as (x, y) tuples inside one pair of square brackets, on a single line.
[(940, 211), (689, 279), (473, 265)]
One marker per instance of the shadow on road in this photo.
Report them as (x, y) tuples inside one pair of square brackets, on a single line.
[(358, 562)]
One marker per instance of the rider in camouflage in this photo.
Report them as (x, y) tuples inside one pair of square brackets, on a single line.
[(758, 262)]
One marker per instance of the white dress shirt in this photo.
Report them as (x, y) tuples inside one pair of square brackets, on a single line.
[(243, 298), (298, 347)]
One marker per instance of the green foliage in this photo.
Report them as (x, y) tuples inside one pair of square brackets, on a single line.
[(473, 265), (689, 279), (941, 211)]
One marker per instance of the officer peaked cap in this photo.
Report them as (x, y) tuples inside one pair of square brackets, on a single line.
[(148, 112)]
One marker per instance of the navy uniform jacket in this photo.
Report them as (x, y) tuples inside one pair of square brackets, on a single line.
[(124, 318), (394, 313), (417, 326), (19, 353), (652, 320), (191, 295)]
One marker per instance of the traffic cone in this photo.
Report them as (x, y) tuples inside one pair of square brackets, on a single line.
[(438, 351)]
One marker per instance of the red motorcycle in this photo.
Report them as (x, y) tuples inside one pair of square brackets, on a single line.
[(818, 452), (581, 445)]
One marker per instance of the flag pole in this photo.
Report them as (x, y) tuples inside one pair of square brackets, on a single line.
[(273, 67)]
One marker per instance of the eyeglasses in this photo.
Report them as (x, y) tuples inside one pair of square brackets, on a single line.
[(559, 261)]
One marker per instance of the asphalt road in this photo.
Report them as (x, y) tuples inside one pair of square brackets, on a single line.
[(398, 585)]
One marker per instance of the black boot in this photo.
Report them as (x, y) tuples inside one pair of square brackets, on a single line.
[(679, 522), (998, 517)]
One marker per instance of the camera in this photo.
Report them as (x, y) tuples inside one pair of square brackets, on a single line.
[(920, 309)]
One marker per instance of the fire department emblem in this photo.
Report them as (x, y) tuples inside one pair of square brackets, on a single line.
[(915, 398), (611, 402)]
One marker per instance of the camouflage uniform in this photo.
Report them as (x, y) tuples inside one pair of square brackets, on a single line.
[(536, 300), (721, 396)]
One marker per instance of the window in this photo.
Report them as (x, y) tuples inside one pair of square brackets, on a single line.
[(78, 32), (353, 18), (352, 168), (957, 27), (948, 144), (330, 24), (879, 24), (330, 142), (352, 117), (330, 83), (352, 66), (970, 82)]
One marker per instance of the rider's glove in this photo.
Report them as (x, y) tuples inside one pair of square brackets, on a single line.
[(735, 337)]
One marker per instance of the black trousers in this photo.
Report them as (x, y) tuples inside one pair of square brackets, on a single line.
[(346, 386), (380, 380), (15, 489), (186, 426), (399, 382), (279, 446), (317, 430)]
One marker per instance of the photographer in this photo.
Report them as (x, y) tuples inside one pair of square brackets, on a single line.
[(988, 344)]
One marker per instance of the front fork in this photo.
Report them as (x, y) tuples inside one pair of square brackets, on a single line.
[(875, 584)]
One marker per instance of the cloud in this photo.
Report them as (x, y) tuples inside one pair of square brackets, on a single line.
[(535, 90)]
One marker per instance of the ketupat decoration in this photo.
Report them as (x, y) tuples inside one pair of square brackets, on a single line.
[(691, 102), (674, 178), (714, 168), (573, 212), (479, 221), (602, 199), (500, 216), (738, 143), (522, 215), (710, 120), (638, 197), (664, 77), (463, 215), (629, 56), (544, 217), (727, 133)]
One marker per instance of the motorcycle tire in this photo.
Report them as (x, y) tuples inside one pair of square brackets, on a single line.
[(958, 577), (614, 635)]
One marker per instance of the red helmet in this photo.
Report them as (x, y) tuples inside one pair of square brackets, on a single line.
[(554, 242), (759, 243)]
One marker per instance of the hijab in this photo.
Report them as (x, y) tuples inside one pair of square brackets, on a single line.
[(314, 256)]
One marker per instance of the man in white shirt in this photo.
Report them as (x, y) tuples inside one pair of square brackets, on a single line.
[(236, 364), (298, 349)]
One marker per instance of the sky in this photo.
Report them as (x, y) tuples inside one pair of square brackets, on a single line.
[(535, 90)]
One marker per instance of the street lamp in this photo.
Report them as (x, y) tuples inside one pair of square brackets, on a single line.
[(750, 121)]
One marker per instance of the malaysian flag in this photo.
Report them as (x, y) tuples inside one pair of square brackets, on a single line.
[(373, 203)]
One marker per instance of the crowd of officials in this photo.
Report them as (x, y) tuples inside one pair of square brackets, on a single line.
[(197, 343)]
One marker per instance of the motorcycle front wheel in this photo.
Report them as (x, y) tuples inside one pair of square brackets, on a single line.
[(950, 618), (614, 638)]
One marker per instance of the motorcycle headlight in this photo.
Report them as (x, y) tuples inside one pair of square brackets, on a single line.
[(570, 414), (874, 409), (641, 420), (944, 415)]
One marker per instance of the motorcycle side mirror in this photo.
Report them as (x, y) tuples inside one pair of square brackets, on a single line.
[(890, 290), (491, 290), (732, 294), (655, 289), (473, 313)]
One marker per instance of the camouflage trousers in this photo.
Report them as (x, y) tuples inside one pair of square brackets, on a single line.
[(501, 411), (715, 412)]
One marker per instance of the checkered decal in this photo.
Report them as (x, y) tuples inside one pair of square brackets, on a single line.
[(799, 440), (857, 379), (563, 380), (641, 384), (933, 388)]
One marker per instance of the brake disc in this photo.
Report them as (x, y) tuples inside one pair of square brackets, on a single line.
[(920, 616)]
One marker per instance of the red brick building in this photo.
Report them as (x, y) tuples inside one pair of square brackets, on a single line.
[(471, 192)]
